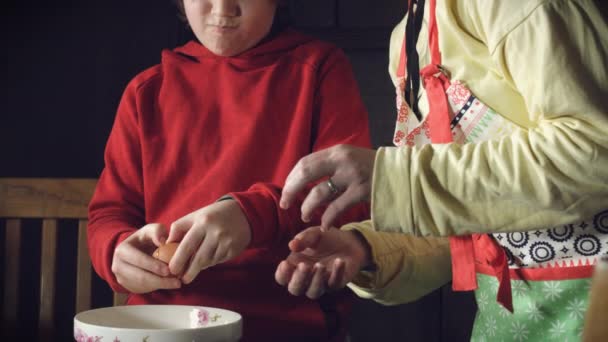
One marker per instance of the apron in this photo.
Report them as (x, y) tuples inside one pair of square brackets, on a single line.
[(540, 278)]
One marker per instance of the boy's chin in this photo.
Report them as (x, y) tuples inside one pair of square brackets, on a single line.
[(226, 51), (229, 50)]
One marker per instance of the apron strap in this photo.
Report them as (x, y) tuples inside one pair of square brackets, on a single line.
[(462, 248), (434, 34), (401, 70), (436, 84), (402, 60)]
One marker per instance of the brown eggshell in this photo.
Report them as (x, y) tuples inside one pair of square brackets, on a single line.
[(165, 252)]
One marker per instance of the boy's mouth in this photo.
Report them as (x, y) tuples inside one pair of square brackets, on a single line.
[(222, 23), (222, 28)]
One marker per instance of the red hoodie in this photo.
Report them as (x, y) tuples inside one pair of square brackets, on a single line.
[(199, 126)]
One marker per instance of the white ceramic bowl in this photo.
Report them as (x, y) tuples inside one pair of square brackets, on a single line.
[(156, 323)]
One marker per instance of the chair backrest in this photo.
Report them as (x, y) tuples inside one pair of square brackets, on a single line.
[(51, 200)]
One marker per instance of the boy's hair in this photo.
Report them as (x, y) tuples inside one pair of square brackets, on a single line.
[(281, 17), (181, 13)]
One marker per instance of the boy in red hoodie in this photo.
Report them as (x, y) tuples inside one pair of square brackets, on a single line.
[(226, 117)]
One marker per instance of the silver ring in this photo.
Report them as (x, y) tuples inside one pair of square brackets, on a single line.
[(332, 187)]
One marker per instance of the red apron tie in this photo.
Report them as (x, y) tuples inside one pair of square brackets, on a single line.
[(462, 250), (436, 84), (496, 258)]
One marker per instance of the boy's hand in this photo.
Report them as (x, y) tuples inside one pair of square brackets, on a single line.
[(321, 261), (134, 267), (207, 237)]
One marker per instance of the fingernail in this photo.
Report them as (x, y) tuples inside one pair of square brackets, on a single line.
[(283, 205)]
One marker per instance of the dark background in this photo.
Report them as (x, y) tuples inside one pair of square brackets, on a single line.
[(64, 67)]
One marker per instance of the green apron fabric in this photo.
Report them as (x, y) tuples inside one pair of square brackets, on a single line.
[(544, 311)]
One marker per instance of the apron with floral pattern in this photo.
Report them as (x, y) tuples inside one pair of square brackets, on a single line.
[(530, 286)]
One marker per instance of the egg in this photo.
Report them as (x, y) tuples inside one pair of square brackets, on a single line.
[(165, 252)]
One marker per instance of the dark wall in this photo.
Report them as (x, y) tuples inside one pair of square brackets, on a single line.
[(66, 63), (65, 66)]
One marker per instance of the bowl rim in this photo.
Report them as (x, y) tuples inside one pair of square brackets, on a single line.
[(237, 321)]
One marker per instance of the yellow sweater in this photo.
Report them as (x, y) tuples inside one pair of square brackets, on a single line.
[(540, 64)]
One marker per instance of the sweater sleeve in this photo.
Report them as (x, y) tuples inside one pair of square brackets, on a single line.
[(116, 209), (406, 267), (339, 117), (549, 174)]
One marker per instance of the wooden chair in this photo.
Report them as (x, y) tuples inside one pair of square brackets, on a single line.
[(49, 200)]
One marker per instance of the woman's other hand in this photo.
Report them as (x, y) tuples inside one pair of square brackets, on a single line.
[(322, 261)]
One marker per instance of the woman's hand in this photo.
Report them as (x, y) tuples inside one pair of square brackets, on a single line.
[(349, 170), (207, 237), (134, 267), (322, 261)]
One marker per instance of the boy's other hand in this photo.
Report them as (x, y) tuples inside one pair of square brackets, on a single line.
[(207, 237), (134, 267), (349, 169), (322, 261)]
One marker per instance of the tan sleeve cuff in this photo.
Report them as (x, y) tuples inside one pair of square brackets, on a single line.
[(386, 256), (406, 267)]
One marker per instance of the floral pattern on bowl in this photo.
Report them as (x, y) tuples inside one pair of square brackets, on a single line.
[(202, 318), (81, 336)]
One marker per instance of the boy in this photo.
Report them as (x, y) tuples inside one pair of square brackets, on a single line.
[(224, 118)]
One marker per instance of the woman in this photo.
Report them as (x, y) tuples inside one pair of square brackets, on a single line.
[(508, 159)]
